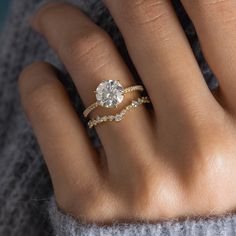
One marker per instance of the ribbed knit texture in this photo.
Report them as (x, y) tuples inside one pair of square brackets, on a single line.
[(25, 187), (67, 225)]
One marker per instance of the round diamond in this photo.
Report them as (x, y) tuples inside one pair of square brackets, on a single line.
[(109, 93), (135, 103), (118, 117)]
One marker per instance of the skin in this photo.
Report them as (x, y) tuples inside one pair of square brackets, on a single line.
[(177, 161)]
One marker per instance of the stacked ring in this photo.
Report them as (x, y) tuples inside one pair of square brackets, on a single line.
[(119, 116), (109, 94)]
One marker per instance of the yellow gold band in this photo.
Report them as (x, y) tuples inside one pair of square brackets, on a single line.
[(119, 116), (93, 106)]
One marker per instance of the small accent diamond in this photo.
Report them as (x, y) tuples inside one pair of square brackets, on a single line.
[(118, 117), (135, 103), (111, 118)]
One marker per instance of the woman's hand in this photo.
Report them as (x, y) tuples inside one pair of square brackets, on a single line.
[(179, 160)]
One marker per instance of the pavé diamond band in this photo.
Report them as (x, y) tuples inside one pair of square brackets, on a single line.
[(119, 116), (109, 94)]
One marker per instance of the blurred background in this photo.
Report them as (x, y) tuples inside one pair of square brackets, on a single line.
[(4, 7)]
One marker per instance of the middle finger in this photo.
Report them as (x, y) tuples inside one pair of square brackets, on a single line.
[(163, 58)]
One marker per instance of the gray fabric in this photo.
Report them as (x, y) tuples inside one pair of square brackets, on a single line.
[(25, 184), (67, 225)]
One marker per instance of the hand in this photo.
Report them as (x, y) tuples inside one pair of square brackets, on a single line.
[(180, 159)]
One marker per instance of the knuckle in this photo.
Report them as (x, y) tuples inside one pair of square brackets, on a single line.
[(160, 192), (213, 3), (217, 10), (28, 89), (38, 100), (208, 160), (211, 156), (146, 13), (215, 155), (86, 46), (30, 72), (210, 176)]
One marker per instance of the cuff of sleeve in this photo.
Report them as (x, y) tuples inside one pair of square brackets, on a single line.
[(64, 224)]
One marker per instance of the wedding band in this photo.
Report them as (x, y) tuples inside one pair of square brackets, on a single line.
[(119, 116), (109, 94)]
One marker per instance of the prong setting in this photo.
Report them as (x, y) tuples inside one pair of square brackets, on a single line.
[(109, 94)]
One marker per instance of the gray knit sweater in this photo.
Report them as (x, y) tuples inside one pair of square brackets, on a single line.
[(27, 206)]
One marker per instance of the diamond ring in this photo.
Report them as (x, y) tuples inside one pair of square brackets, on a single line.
[(119, 116), (109, 94)]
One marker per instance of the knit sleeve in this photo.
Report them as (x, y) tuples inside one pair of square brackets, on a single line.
[(64, 224)]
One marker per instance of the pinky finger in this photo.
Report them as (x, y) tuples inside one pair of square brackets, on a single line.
[(69, 155)]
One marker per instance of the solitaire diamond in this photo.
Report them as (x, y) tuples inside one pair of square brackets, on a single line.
[(109, 93)]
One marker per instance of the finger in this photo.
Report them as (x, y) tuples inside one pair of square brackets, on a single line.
[(163, 58), (215, 22), (90, 57), (68, 153)]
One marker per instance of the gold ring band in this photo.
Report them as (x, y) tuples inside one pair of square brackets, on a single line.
[(119, 116), (117, 93)]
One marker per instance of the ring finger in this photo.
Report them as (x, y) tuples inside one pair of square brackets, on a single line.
[(90, 57)]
